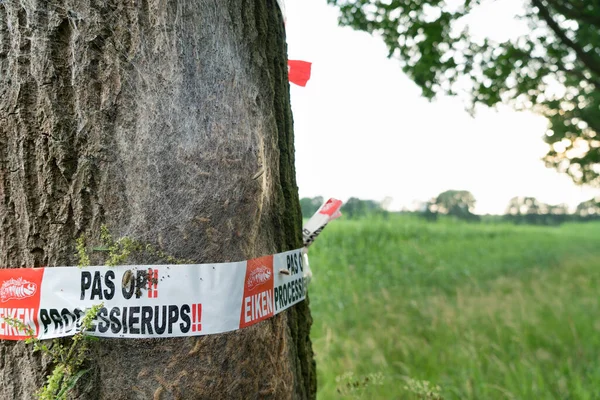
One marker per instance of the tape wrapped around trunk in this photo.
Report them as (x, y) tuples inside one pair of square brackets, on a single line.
[(150, 301)]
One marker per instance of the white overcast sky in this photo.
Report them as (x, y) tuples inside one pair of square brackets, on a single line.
[(363, 130)]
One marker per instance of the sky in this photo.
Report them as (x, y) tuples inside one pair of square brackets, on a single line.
[(363, 130)]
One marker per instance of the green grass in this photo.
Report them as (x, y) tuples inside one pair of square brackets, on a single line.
[(484, 311)]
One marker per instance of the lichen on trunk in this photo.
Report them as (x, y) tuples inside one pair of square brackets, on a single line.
[(170, 122)]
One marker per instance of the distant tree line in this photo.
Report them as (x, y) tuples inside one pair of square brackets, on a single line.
[(529, 210), (460, 204), (456, 203), (310, 205)]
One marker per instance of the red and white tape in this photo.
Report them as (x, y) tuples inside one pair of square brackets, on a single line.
[(153, 301), (329, 211), (298, 71), (150, 301)]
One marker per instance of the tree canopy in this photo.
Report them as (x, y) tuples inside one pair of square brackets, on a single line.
[(553, 70), (356, 208), (529, 210), (589, 208), (457, 203), (309, 206)]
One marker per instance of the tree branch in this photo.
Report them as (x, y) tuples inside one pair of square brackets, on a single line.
[(578, 74), (590, 62), (572, 13)]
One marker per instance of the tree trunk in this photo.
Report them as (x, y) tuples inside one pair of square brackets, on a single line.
[(169, 122)]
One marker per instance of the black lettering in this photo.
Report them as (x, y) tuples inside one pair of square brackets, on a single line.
[(147, 319), (276, 294), (314, 235), (109, 276), (286, 297), (280, 290), (96, 286), (45, 319), (134, 319), (86, 282), (160, 329), (185, 316), (115, 324), (173, 317), (292, 288), (104, 324), (289, 262), (295, 263), (141, 279), (127, 288), (293, 291), (301, 262), (78, 316), (56, 318), (124, 319), (68, 318)]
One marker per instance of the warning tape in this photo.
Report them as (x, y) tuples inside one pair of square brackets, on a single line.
[(329, 211), (153, 301), (299, 72)]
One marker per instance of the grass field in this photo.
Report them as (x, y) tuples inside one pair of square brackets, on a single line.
[(405, 309)]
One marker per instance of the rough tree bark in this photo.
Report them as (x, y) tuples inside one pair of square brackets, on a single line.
[(169, 121)]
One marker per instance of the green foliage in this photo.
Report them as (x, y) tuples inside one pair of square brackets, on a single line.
[(67, 355), (423, 389), (82, 254), (357, 208), (121, 250), (310, 206), (457, 203), (349, 385), (485, 311), (529, 210), (554, 69), (589, 209)]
